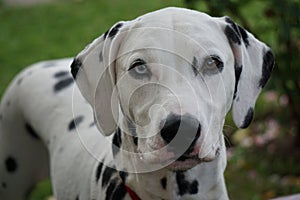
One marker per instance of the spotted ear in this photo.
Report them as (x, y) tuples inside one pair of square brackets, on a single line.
[(254, 62), (94, 72)]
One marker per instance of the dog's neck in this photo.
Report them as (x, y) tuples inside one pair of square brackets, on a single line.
[(166, 184), (204, 181)]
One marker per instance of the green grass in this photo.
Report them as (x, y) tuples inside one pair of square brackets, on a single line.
[(42, 191), (62, 29)]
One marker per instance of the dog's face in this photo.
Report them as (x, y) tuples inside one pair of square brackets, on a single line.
[(169, 78), (173, 76)]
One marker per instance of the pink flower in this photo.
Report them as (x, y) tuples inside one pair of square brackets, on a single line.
[(271, 96)]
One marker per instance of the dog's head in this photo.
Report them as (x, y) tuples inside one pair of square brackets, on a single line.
[(168, 80)]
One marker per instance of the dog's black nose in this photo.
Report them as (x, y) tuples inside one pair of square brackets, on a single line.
[(181, 132)]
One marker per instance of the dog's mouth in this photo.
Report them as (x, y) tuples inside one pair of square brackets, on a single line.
[(188, 161), (185, 157), (185, 162)]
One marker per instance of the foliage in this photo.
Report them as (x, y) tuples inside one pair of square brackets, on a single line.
[(276, 22), (264, 155), (252, 174)]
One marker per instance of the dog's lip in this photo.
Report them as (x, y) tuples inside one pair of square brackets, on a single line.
[(184, 163), (187, 157), (188, 161)]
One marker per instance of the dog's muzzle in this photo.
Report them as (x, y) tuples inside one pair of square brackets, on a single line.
[(180, 133)]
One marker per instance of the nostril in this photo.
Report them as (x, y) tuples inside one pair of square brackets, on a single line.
[(185, 127), (170, 127)]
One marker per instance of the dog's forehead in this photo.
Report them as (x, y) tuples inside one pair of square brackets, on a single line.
[(173, 16), (176, 30)]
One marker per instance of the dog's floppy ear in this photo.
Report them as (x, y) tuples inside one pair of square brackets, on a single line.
[(94, 72), (254, 62)]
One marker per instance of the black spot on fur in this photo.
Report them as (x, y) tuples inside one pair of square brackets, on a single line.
[(63, 84), (11, 164), (235, 33), (3, 184), (163, 182), (119, 192), (111, 187), (105, 34), (75, 122), (268, 64), (232, 31), (193, 189), (117, 141), (135, 140), (98, 171), (248, 118), (114, 30), (107, 174), (75, 66), (49, 64), (232, 24), (185, 187), (195, 66), (232, 35), (244, 35), (77, 197), (123, 175), (61, 74), (19, 81), (92, 124), (101, 56), (238, 71), (31, 131)]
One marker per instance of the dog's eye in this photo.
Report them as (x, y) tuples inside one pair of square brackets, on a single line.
[(214, 62), (141, 69), (138, 69), (139, 65)]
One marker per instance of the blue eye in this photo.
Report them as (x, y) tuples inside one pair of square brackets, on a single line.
[(214, 62), (139, 70), (210, 62)]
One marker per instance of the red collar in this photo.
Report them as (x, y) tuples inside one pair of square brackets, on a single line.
[(132, 194)]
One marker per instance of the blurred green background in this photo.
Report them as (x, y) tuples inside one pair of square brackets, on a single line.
[(263, 160)]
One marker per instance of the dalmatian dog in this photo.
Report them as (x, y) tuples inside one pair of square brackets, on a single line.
[(145, 117)]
